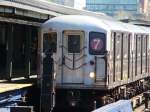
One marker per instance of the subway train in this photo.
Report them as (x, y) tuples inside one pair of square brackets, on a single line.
[(96, 61)]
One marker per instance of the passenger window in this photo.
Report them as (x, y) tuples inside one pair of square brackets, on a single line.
[(118, 48), (125, 55), (118, 45), (147, 44), (138, 54), (144, 54), (50, 42), (144, 45), (125, 46), (139, 46), (97, 43), (73, 43), (135, 46), (135, 55)]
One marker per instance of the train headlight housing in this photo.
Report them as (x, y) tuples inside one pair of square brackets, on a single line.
[(92, 75)]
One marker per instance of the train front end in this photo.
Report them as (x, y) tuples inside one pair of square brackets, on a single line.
[(80, 58)]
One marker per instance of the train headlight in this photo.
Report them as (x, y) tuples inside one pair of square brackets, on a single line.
[(92, 74)]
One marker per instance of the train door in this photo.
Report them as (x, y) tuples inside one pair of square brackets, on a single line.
[(73, 57)]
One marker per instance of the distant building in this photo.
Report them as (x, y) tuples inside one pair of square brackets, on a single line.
[(149, 9), (113, 7), (78, 4), (144, 6)]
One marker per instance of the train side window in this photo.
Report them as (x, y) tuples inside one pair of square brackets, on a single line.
[(112, 54), (129, 58), (50, 42), (138, 54), (147, 44), (135, 55), (74, 43), (97, 43), (118, 47), (125, 44), (144, 54)]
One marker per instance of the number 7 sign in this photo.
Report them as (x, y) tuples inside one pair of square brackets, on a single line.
[(96, 44)]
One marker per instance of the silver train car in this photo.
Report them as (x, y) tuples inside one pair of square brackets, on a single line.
[(96, 60)]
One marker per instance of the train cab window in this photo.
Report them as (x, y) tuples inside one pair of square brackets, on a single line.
[(73, 43), (50, 42), (97, 43)]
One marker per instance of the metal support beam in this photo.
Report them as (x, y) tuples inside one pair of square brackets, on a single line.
[(18, 21), (47, 98), (28, 51), (2, 50), (9, 48)]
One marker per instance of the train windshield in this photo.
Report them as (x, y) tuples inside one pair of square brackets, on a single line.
[(50, 42), (97, 43), (73, 43)]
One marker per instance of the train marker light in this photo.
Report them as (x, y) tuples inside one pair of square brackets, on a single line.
[(92, 74)]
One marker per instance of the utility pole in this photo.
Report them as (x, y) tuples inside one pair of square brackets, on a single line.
[(47, 98)]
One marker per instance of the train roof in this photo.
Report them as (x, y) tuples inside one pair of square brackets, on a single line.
[(136, 29), (80, 22), (88, 23), (146, 29)]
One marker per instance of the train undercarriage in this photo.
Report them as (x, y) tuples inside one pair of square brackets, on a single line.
[(86, 100)]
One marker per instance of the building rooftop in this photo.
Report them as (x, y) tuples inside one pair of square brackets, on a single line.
[(45, 7)]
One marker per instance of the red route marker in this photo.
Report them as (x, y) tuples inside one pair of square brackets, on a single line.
[(96, 44)]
